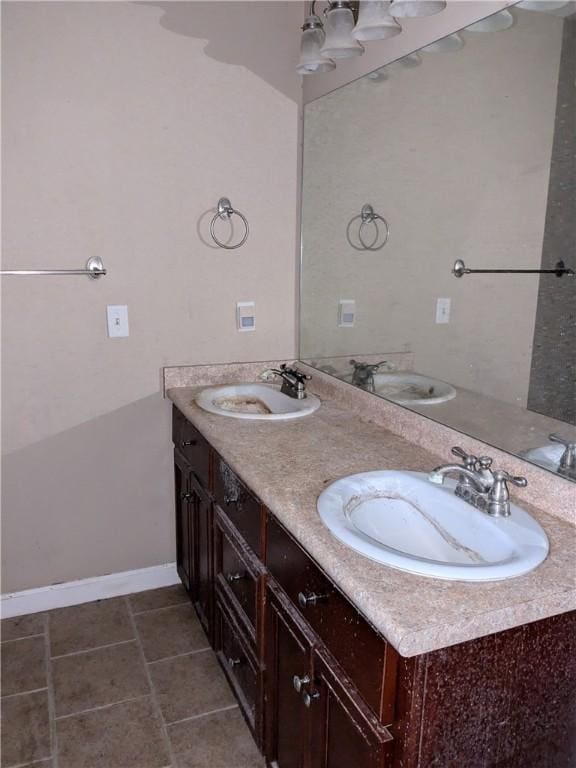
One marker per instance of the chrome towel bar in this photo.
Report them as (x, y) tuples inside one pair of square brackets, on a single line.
[(94, 269), (459, 269)]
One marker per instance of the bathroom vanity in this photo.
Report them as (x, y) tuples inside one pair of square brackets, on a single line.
[(340, 662)]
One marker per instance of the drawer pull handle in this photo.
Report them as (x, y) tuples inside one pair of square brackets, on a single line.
[(186, 496), (186, 443), (234, 662), (300, 682), (232, 577), (311, 599), (309, 697)]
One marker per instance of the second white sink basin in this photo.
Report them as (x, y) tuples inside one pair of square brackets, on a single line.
[(255, 401), (403, 520), (406, 388)]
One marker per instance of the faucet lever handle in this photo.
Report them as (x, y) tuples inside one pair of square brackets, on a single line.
[(502, 475), (468, 458)]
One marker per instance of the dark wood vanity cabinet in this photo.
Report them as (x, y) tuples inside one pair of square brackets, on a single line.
[(194, 538), (319, 686)]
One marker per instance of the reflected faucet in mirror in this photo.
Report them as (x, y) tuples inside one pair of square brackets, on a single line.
[(363, 374)]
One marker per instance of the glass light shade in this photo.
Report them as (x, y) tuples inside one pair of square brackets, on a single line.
[(409, 9), (410, 61), (495, 23), (542, 5), (374, 21), (446, 45), (339, 43), (311, 61)]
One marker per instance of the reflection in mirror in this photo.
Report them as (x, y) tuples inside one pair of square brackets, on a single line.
[(467, 153)]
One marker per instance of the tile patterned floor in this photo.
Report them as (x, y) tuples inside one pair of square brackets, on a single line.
[(129, 682)]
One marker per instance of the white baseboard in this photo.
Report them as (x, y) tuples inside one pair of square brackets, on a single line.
[(87, 590)]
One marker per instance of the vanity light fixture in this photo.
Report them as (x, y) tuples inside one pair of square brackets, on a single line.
[(495, 23), (542, 5), (339, 42), (409, 9), (375, 22), (446, 44), (313, 36)]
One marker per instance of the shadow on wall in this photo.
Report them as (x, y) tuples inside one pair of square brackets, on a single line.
[(240, 33), (91, 500)]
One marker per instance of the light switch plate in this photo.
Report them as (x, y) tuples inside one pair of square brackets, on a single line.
[(346, 313), (443, 310), (117, 321), (246, 315)]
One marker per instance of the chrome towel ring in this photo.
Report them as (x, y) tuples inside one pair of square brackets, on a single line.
[(368, 217), (225, 211)]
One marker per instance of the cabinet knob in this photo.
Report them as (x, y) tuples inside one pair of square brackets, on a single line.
[(309, 697), (310, 599), (234, 662), (232, 577), (186, 496), (300, 682), (186, 443)]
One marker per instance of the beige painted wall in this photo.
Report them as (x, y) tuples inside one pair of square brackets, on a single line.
[(123, 123), (455, 154)]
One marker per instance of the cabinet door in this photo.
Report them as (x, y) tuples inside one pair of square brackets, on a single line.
[(345, 733), (203, 556), (185, 506), (288, 648)]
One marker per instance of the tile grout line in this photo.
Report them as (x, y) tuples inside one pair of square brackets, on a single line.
[(162, 608), (24, 693), (101, 706), (24, 637), (180, 655), (155, 702), (90, 650), (204, 714), (51, 695), (27, 765)]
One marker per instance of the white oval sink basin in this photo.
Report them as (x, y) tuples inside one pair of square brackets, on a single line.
[(255, 401), (403, 520), (406, 388)]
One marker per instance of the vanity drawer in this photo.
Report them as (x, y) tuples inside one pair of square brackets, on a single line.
[(192, 445), (239, 505), (236, 571), (346, 634), (239, 665)]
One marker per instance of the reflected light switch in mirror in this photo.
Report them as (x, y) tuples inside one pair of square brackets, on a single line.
[(346, 313), (443, 310)]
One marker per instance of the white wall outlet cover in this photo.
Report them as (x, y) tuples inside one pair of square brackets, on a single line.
[(246, 315), (117, 315)]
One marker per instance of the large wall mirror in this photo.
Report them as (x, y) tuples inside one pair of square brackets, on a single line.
[(464, 151)]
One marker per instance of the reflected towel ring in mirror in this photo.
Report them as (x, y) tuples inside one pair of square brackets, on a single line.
[(225, 211), (368, 217)]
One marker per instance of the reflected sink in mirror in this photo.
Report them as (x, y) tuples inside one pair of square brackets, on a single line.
[(255, 401), (406, 388), (404, 521)]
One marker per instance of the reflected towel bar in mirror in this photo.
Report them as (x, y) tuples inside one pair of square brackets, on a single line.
[(459, 269), (94, 268)]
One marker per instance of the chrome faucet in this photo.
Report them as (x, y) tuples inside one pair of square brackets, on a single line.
[(567, 463), (478, 484), (363, 374), (293, 380)]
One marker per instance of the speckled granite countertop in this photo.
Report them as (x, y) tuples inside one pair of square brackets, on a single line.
[(288, 464)]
